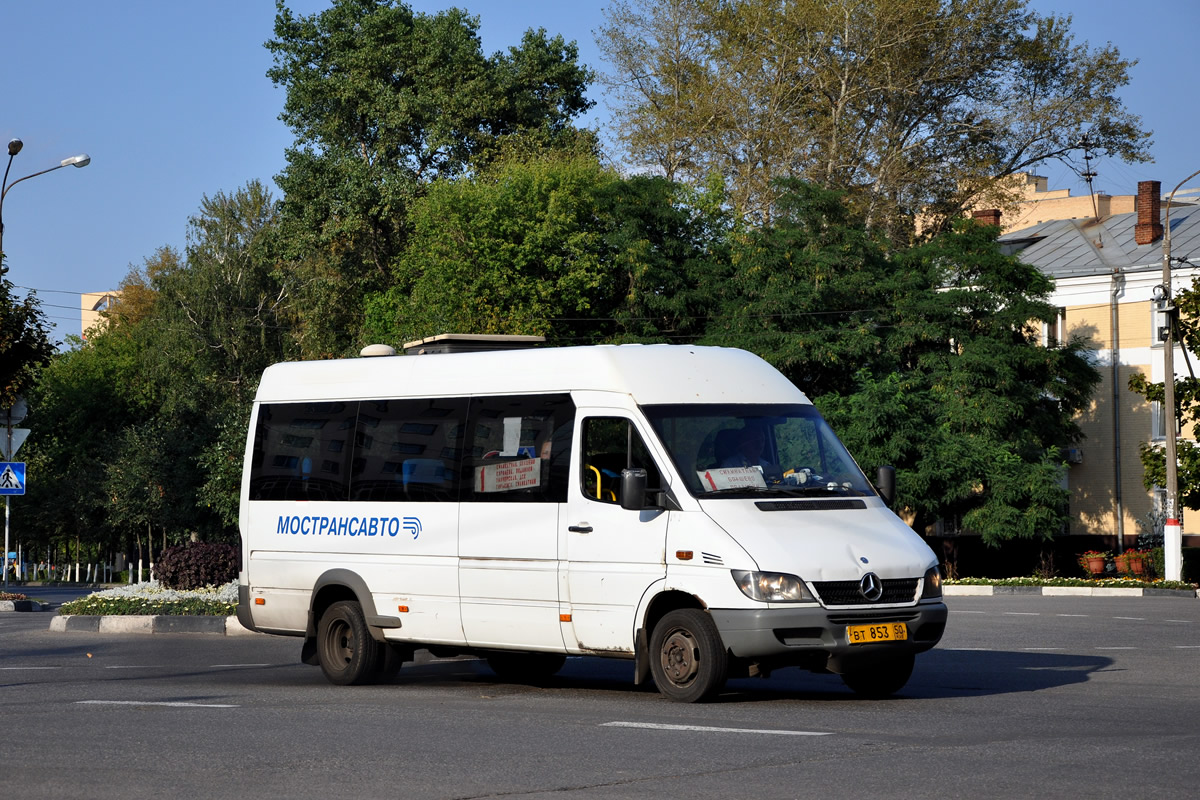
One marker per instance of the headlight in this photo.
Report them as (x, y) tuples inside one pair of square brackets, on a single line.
[(933, 583), (772, 587)]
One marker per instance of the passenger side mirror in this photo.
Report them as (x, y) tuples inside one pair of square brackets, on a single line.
[(633, 489), (885, 484)]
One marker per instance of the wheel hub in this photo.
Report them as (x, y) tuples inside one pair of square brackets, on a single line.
[(679, 659)]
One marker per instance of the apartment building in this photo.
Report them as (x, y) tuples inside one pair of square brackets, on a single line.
[(1106, 269)]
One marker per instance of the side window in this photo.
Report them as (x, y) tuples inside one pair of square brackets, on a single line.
[(518, 449), (408, 450), (612, 444), (301, 451)]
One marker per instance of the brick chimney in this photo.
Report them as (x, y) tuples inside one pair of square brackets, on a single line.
[(988, 216), (1149, 227)]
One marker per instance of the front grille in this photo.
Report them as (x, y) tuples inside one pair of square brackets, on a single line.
[(846, 593)]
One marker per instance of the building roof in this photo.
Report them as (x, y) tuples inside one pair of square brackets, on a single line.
[(1080, 247)]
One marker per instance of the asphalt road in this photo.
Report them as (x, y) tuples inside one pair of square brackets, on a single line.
[(1026, 697)]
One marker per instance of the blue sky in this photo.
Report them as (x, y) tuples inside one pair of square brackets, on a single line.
[(172, 103)]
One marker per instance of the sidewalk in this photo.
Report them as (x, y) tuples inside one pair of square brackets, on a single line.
[(162, 623)]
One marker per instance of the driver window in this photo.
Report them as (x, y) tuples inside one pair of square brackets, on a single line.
[(611, 444)]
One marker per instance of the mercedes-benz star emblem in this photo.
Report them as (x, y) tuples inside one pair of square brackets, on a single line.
[(871, 587)]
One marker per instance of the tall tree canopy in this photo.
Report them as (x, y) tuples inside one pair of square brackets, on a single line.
[(924, 358), (905, 104), (382, 101), (557, 246), (24, 340)]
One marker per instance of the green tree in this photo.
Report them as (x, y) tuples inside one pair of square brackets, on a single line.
[(906, 105), (24, 340), (383, 101), (558, 246), (926, 358), (1187, 407)]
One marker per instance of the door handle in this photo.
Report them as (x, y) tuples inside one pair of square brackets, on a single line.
[(584, 528)]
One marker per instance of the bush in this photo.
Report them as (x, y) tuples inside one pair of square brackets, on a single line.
[(198, 564)]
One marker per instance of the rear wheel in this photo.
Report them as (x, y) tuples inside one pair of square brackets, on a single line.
[(525, 667), (879, 679), (347, 653), (687, 658)]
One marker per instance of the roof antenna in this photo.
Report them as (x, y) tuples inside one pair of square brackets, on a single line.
[(1085, 143)]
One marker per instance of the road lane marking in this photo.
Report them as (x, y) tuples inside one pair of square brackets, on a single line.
[(1187, 647), (15, 669), (703, 729), (170, 704), (226, 666)]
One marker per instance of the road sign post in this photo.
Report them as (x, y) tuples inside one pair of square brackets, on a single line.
[(12, 473)]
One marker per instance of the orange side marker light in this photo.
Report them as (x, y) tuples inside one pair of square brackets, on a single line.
[(683, 555)]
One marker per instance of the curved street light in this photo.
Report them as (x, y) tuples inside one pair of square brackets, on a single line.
[(14, 147)]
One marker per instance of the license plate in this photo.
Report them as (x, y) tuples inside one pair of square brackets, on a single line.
[(886, 632)]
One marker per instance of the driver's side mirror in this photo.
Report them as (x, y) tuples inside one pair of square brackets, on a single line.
[(633, 489), (885, 484)]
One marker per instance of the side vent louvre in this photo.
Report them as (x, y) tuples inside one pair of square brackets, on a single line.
[(709, 558), (837, 504)]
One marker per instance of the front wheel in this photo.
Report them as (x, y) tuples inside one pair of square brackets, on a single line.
[(687, 658), (347, 653), (880, 679)]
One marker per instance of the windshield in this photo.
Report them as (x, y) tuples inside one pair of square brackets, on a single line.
[(747, 450)]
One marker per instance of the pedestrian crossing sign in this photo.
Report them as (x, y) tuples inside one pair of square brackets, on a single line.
[(12, 477)]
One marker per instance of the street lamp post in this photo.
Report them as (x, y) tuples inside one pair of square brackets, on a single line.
[(1172, 530), (14, 147)]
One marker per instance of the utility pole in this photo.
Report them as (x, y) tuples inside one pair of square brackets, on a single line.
[(1173, 530)]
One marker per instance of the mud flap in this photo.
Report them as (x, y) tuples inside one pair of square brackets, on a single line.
[(641, 658), (308, 653)]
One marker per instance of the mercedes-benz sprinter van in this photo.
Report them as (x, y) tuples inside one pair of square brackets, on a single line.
[(682, 507)]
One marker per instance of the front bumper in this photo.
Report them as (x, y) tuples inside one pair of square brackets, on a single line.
[(816, 637)]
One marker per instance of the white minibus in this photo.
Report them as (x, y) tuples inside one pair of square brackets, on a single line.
[(682, 507)]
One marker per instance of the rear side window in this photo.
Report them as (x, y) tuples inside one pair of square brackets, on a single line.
[(518, 449), (408, 450), (301, 451)]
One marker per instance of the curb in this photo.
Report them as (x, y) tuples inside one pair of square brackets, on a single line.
[(163, 623), (990, 590), (22, 605)]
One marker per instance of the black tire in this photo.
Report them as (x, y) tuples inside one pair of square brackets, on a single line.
[(347, 653), (525, 667), (687, 658), (879, 679)]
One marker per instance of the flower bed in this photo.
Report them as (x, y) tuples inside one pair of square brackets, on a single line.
[(1108, 583), (151, 598)]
